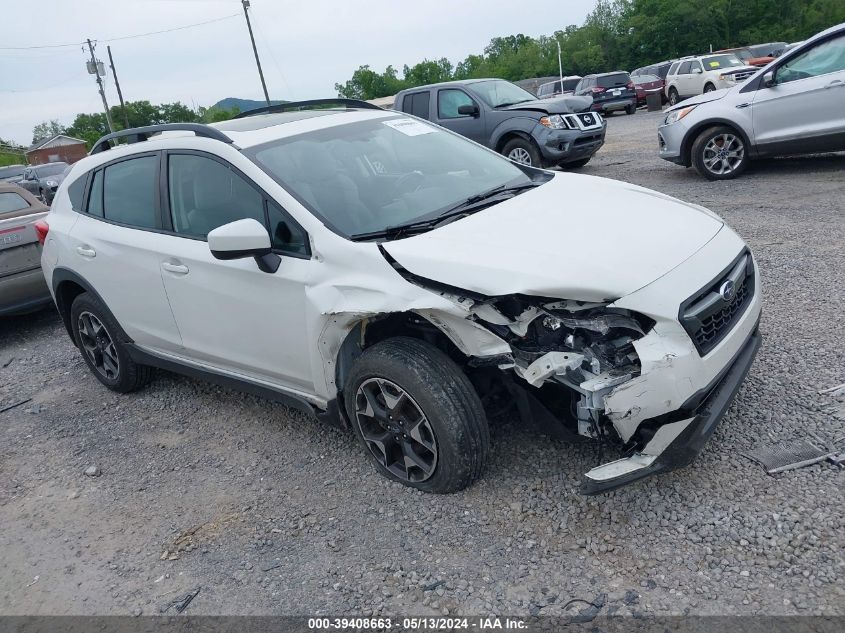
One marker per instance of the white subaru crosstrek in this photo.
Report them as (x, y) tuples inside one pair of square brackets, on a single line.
[(399, 280)]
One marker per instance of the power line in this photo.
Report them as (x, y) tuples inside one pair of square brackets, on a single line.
[(122, 37)]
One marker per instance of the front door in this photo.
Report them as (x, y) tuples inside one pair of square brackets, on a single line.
[(471, 126), (804, 111), (233, 316)]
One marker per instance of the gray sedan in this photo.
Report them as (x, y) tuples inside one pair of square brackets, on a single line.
[(22, 285), (43, 180)]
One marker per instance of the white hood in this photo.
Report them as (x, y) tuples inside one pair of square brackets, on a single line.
[(575, 237)]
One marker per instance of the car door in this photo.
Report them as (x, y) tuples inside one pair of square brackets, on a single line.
[(804, 111), (233, 316), (114, 247), (695, 79), (449, 100)]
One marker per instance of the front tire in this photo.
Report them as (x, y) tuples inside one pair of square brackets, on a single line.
[(709, 88), (103, 346), (417, 415), (719, 153), (522, 151)]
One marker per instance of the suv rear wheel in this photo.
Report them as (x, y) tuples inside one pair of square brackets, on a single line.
[(522, 151), (417, 415), (102, 343), (631, 109), (719, 153), (673, 97)]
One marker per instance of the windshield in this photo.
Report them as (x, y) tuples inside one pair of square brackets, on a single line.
[(722, 61), (371, 175), (497, 93), (51, 169)]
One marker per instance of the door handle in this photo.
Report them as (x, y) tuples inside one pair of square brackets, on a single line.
[(85, 251), (836, 83), (176, 269)]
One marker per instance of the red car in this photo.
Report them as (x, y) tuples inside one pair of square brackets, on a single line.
[(647, 84)]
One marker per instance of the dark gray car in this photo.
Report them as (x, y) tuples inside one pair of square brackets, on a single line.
[(43, 180), (510, 120)]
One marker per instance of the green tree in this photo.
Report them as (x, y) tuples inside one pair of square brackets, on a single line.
[(46, 129)]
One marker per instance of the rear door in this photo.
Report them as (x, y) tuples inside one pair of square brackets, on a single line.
[(447, 115), (805, 110), (114, 246)]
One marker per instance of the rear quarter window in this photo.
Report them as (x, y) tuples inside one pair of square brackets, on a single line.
[(76, 191), (416, 103)]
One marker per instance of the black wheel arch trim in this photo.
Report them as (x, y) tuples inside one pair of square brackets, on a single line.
[(61, 275), (692, 134)]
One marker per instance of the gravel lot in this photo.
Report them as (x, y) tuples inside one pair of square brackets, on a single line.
[(270, 512)]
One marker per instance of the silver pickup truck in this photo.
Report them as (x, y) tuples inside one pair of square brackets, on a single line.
[(22, 285)]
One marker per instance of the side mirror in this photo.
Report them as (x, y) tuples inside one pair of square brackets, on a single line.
[(768, 79), (468, 110), (244, 238)]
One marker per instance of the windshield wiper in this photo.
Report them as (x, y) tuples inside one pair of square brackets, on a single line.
[(465, 207), (510, 103)]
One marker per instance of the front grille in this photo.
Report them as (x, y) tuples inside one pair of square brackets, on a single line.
[(710, 314), (743, 76)]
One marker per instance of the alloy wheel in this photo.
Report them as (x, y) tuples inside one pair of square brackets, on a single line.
[(520, 155), (396, 430), (98, 346), (723, 154)]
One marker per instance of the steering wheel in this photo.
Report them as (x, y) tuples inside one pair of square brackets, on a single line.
[(409, 183)]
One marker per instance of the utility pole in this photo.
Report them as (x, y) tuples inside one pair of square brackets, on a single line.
[(559, 64), (245, 3), (96, 72), (119, 93)]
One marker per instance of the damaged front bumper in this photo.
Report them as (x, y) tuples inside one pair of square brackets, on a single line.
[(677, 443)]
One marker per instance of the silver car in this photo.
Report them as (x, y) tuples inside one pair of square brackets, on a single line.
[(22, 285), (795, 105)]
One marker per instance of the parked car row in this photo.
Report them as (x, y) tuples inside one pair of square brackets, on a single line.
[(795, 105)]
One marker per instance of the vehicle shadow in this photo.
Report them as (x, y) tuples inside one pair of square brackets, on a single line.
[(23, 327), (814, 163)]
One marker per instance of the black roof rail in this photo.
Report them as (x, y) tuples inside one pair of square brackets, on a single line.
[(137, 134), (311, 103)]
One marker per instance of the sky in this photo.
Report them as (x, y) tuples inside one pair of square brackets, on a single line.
[(305, 47)]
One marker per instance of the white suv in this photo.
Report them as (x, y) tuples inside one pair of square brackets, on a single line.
[(397, 279), (692, 76)]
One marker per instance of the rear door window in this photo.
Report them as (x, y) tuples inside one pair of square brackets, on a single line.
[(416, 104), (684, 69), (129, 192)]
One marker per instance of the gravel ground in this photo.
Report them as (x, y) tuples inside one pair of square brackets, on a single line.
[(269, 512)]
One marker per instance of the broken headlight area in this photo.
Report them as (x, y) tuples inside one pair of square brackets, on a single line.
[(585, 349)]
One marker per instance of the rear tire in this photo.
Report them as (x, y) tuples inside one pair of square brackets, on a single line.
[(719, 153), (404, 384), (674, 98), (522, 151), (102, 344), (632, 109)]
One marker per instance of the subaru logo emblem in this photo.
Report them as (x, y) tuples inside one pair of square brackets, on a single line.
[(727, 291)]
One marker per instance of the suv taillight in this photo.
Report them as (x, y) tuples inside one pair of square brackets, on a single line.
[(41, 230), (630, 85), (597, 89)]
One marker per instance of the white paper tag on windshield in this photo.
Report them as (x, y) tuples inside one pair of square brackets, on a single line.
[(409, 127)]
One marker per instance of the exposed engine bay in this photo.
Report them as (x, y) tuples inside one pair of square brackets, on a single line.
[(585, 347)]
